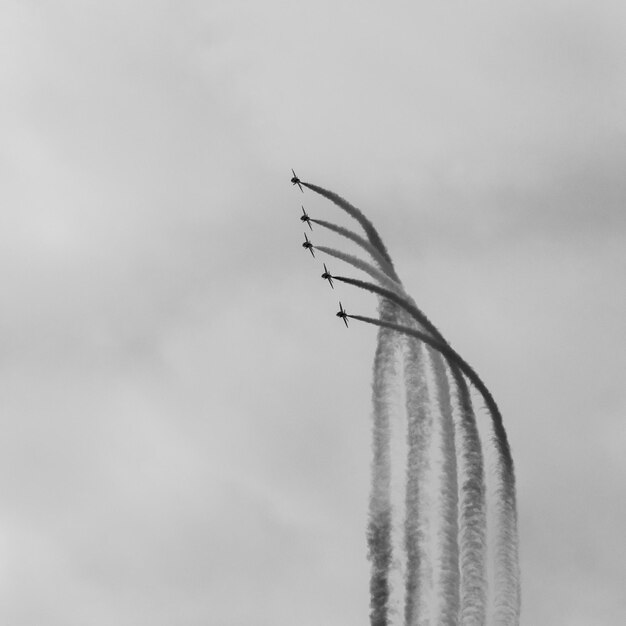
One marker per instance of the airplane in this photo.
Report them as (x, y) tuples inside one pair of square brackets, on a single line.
[(326, 276), (308, 245), (296, 181), (341, 313), (305, 218)]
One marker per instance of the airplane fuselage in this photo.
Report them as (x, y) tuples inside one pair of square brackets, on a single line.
[(296, 181)]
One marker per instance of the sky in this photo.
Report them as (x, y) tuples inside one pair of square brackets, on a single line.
[(185, 423)]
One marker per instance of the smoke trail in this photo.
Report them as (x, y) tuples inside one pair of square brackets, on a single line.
[(449, 587), (419, 434), (472, 515), (507, 588), (440, 344), (408, 305), (368, 227), (380, 518), (375, 273), (366, 245)]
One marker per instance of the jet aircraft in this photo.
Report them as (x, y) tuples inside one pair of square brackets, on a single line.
[(326, 276), (343, 315), (305, 218), (296, 181), (308, 245)]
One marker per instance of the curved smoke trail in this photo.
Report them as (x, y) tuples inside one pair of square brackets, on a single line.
[(380, 513), (368, 227), (506, 579), (469, 553), (375, 273), (507, 591), (408, 305), (472, 512), (364, 243), (464, 441), (420, 435)]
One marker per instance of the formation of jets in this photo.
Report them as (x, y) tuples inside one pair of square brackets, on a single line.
[(307, 245)]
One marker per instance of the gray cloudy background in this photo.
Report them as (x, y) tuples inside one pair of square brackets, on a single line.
[(184, 422)]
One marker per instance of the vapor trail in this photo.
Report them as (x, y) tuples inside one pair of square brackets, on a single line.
[(375, 273), (507, 589), (380, 512), (368, 227), (364, 243)]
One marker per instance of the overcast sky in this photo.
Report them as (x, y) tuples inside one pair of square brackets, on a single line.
[(184, 422)]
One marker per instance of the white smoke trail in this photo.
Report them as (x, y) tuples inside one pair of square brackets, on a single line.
[(418, 581), (366, 245), (472, 511), (380, 513), (506, 603), (404, 302), (448, 587), (375, 273), (507, 592), (461, 439), (368, 227)]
